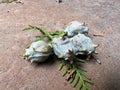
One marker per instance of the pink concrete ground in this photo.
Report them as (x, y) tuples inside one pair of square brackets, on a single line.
[(101, 16)]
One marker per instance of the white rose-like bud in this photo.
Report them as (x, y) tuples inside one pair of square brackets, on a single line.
[(38, 51), (75, 27), (62, 47), (82, 44)]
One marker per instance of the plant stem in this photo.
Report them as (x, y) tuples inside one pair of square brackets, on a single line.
[(43, 31)]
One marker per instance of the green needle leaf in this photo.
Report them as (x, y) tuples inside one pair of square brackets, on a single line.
[(58, 33), (29, 28), (80, 86), (71, 80), (76, 80), (7, 1), (40, 37), (66, 70), (62, 63), (86, 88), (80, 60), (87, 80)]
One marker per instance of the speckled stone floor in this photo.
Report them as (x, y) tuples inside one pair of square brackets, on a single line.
[(101, 16)]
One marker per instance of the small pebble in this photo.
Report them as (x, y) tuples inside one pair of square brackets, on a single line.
[(59, 1)]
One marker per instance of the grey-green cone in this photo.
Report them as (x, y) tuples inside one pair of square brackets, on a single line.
[(75, 27), (62, 47), (78, 44), (38, 51), (82, 44)]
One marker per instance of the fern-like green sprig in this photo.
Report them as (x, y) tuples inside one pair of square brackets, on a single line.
[(45, 33), (75, 75), (7, 1)]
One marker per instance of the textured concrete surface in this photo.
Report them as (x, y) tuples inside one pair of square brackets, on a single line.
[(101, 16)]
